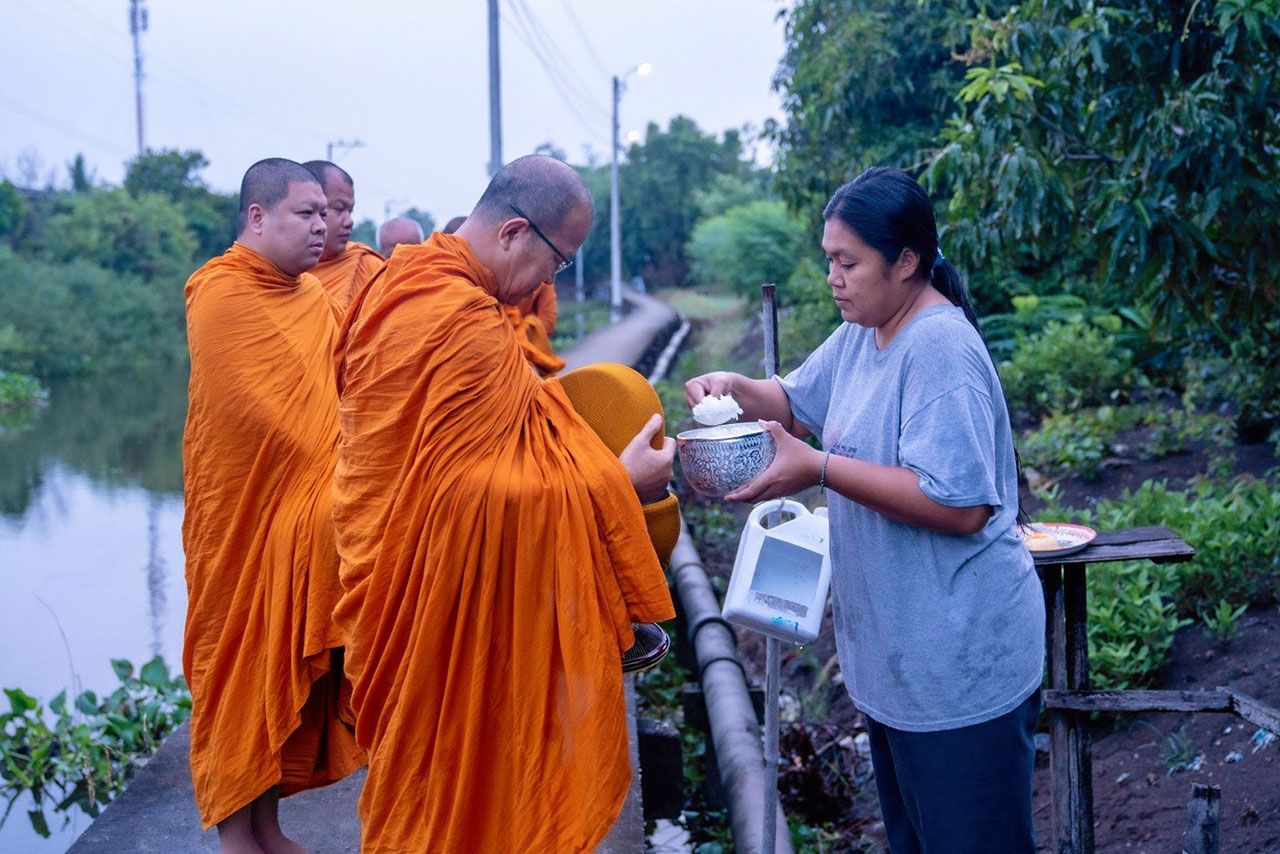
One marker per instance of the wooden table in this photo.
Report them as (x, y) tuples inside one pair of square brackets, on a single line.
[(1069, 701), (1067, 649)]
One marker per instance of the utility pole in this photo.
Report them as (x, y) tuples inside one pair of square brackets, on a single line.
[(495, 93), (138, 26), (340, 143), (615, 227)]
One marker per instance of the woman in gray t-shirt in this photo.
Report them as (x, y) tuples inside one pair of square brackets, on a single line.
[(939, 616)]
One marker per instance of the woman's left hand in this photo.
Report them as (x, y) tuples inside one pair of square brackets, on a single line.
[(795, 467)]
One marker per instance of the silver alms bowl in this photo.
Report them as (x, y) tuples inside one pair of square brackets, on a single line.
[(718, 460)]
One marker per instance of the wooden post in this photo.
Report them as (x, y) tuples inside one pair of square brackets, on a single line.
[(1202, 820), (1068, 663)]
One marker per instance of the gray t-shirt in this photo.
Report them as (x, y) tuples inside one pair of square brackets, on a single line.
[(934, 631)]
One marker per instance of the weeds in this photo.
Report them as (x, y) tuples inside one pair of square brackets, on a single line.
[(82, 755)]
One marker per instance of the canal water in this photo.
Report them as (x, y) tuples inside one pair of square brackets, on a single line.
[(90, 548)]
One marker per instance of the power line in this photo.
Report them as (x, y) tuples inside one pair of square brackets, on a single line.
[(586, 41), (568, 96), (557, 57), (57, 124)]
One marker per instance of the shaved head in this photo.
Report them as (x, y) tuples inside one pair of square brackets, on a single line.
[(393, 232), (549, 191), (326, 171), (267, 182), (454, 224)]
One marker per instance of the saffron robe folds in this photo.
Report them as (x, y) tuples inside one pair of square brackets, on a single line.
[(262, 571), (534, 321), (494, 554), (345, 274)]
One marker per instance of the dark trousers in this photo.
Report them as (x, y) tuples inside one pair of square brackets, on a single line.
[(958, 791)]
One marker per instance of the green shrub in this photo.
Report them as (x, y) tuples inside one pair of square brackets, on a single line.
[(1066, 443), (1134, 608), (746, 246), (1244, 379), (1068, 365), (19, 390), (83, 754), (76, 318)]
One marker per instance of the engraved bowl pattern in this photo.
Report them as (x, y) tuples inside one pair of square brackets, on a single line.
[(716, 465)]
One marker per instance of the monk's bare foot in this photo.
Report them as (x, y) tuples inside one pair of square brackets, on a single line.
[(235, 834), (280, 844), (266, 825), (239, 846)]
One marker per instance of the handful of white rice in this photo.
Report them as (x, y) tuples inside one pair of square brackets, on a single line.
[(716, 409)]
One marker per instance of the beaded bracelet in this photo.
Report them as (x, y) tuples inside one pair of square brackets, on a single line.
[(822, 475)]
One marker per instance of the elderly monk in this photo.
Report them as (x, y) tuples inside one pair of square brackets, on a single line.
[(345, 265), (494, 550), (395, 231), (261, 652)]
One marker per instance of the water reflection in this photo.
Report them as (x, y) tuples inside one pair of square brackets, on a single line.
[(90, 543), (120, 430)]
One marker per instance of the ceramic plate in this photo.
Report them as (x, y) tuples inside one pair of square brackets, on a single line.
[(1070, 538)]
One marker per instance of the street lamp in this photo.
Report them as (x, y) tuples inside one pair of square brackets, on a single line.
[(615, 228)]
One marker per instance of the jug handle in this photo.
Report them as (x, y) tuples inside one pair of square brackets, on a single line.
[(778, 505)]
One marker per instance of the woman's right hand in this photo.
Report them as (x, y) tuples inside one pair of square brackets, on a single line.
[(716, 382)]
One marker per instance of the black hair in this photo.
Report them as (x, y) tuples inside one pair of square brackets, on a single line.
[(546, 189), (890, 212), (320, 168), (266, 182)]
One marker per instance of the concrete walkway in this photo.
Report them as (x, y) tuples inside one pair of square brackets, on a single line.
[(157, 811)]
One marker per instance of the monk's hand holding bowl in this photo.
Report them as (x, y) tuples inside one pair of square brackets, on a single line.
[(795, 467), (650, 469)]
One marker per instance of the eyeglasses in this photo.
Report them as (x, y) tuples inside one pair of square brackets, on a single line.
[(565, 261)]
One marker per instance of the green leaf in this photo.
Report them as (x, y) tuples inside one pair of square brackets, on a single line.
[(38, 822), (155, 673), (87, 703), (20, 701), (123, 668)]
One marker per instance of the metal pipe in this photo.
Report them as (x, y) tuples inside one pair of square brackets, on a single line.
[(735, 732)]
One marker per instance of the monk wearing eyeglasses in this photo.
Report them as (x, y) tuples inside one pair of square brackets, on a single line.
[(494, 550)]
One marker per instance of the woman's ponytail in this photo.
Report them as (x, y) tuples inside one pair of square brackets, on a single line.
[(946, 279)]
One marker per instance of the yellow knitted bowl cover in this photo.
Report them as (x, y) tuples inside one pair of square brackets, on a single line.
[(615, 400)]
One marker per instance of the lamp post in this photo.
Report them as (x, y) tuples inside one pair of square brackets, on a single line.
[(615, 226)]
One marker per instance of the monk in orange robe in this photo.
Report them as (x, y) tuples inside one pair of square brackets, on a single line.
[(345, 265), (534, 321), (494, 550), (261, 652)]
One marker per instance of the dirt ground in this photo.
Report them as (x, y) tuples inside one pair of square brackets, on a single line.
[(1140, 789)]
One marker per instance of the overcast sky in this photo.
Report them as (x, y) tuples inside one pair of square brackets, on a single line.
[(246, 79)]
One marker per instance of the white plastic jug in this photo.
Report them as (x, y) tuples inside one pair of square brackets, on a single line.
[(782, 572)]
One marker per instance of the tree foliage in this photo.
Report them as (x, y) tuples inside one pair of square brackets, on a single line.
[(1137, 140), (176, 175), (747, 245), (659, 185), (146, 236), (864, 82)]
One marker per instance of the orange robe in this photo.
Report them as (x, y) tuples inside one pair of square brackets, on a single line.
[(534, 321), (345, 274), (262, 570), (494, 554)]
